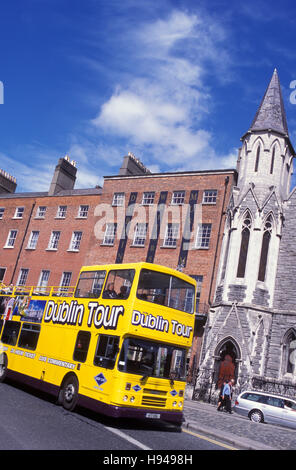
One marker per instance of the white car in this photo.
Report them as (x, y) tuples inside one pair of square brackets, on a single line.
[(265, 407)]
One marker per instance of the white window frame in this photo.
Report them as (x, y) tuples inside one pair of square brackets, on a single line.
[(83, 211), (110, 234), (33, 240), (75, 241), (66, 276), (203, 236), (148, 198), (118, 199), (41, 211), (171, 235), (61, 212), (23, 276), (54, 240), (44, 278), (210, 196), (10, 242), (178, 198), (19, 212), (140, 234)]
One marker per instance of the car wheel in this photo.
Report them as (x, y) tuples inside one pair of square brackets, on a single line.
[(256, 416)]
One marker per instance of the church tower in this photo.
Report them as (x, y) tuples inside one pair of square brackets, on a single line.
[(254, 223), (238, 333)]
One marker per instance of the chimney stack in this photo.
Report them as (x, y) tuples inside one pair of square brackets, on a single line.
[(7, 182), (131, 165), (64, 176)]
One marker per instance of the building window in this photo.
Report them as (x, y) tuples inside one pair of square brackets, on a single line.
[(66, 279), (257, 158), (2, 273), (178, 197), (54, 240), (83, 212), (41, 210), (1, 212), (210, 196), (290, 353), (61, 212), (11, 239), (44, 277), (32, 244), (110, 233), (272, 160), (203, 236), (264, 249), (118, 199), (148, 198), (140, 234), (75, 241), (242, 261), (171, 236), (19, 212), (22, 279)]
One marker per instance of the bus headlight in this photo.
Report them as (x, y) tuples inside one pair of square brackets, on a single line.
[(132, 399), (180, 404), (125, 398), (174, 403)]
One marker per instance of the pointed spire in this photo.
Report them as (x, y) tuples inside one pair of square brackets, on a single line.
[(271, 112)]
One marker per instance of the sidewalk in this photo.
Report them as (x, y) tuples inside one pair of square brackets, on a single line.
[(236, 430)]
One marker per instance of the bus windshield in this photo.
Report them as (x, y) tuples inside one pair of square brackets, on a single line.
[(165, 289), (149, 358)]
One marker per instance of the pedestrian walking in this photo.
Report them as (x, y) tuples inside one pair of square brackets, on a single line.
[(227, 396), (221, 402)]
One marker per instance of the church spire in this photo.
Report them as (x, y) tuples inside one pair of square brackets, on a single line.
[(271, 112)]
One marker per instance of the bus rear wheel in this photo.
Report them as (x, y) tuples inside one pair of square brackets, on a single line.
[(3, 367), (69, 393)]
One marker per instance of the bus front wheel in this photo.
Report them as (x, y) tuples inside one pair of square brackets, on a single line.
[(3, 367), (69, 392)]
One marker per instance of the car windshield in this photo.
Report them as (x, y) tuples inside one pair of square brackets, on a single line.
[(149, 358)]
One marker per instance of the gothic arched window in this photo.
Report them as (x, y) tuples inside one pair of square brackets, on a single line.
[(290, 353), (242, 261), (272, 160), (264, 249), (257, 158)]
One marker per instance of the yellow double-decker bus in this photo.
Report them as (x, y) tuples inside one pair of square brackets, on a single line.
[(115, 343)]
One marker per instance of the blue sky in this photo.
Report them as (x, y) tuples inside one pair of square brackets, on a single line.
[(177, 83)]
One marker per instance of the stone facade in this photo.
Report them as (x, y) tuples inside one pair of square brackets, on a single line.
[(250, 334)]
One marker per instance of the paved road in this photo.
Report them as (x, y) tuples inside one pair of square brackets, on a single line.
[(30, 421), (237, 430)]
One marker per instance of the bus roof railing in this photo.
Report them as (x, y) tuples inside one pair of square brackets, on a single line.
[(56, 291)]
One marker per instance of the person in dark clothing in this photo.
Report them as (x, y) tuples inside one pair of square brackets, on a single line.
[(221, 403)]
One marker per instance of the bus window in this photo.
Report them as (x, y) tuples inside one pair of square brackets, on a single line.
[(90, 284), (106, 352), (148, 358), (81, 346), (164, 289), (118, 284), (29, 336), (10, 332)]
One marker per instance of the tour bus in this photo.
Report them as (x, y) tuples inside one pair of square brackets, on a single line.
[(116, 343)]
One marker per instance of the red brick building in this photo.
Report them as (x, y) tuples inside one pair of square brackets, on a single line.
[(173, 219)]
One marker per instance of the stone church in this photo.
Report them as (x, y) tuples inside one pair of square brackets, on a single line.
[(250, 334)]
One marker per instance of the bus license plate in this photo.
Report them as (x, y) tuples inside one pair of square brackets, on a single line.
[(153, 415)]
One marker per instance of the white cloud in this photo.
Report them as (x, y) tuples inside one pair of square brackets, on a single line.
[(160, 109)]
